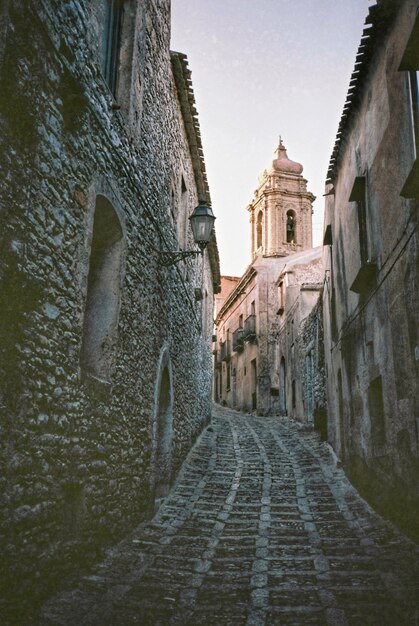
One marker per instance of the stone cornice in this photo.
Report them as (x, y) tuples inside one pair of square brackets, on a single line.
[(281, 192), (237, 292), (182, 78), (377, 21)]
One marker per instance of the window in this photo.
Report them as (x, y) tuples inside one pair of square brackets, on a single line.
[(240, 321), (204, 312), (228, 384), (182, 216), (367, 271), (358, 195), (414, 101), (112, 42), (334, 320), (291, 227), (410, 64), (259, 230), (328, 239), (281, 299), (103, 292), (254, 383), (376, 409), (293, 395)]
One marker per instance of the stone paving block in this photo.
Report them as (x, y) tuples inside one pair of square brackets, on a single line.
[(269, 533)]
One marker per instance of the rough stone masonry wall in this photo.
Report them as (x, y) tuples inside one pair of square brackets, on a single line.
[(311, 338), (75, 453)]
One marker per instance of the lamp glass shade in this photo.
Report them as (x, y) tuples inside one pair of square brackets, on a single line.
[(202, 221)]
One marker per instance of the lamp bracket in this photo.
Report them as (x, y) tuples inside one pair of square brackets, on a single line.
[(170, 258)]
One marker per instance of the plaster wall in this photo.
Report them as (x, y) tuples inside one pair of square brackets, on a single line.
[(371, 337)]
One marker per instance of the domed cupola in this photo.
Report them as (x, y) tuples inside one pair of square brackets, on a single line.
[(283, 164)]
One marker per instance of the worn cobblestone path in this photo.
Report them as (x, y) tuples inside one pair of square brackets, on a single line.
[(261, 528)]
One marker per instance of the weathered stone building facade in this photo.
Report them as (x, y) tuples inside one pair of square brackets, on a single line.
[(299, 372), (105, 366), (260, 316), (371, 260)]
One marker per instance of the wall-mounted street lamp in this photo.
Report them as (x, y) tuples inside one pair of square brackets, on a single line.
[(202, 222)]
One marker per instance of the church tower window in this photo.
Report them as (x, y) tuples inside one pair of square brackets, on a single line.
[(291, 227), (259, 230)]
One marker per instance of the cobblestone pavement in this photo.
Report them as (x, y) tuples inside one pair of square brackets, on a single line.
[(261, 528)]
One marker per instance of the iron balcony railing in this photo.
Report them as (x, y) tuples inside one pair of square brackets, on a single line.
[(250, 328), (238, 340)]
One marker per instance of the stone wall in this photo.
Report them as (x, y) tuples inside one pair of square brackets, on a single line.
[(371, 260), (94, 187), (312, 353)]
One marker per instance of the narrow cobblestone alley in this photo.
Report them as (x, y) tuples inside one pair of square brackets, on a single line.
[(261, 528)]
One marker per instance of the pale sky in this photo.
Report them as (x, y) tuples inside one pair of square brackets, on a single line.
[(260, 69)]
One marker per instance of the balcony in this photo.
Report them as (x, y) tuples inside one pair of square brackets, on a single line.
[(250, 328), (225, 351), (238, 340)]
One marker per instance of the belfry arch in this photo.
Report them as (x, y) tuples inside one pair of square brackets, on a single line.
[(259, 230)]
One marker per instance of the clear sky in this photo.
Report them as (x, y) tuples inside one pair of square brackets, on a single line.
[(260, 69)]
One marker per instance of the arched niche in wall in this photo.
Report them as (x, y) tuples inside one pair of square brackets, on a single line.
[(103, 292), (162, 429)]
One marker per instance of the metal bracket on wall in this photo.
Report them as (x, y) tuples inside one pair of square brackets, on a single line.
[(170, 258)]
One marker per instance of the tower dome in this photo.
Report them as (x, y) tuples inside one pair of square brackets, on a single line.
[(283, 164)]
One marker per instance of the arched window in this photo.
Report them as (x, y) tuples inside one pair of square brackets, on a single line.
[(103, 292), (259, 230), (291, 227)]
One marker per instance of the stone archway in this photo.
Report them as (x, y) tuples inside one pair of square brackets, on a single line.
[(162, 430)]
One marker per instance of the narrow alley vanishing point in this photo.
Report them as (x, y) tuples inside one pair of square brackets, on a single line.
[(262, 527)]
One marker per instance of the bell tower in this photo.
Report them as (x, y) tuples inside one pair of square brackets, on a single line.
[(280, 212)]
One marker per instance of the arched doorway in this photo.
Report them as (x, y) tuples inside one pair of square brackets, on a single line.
[(282, 388), (310, 387), (162, 431)]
